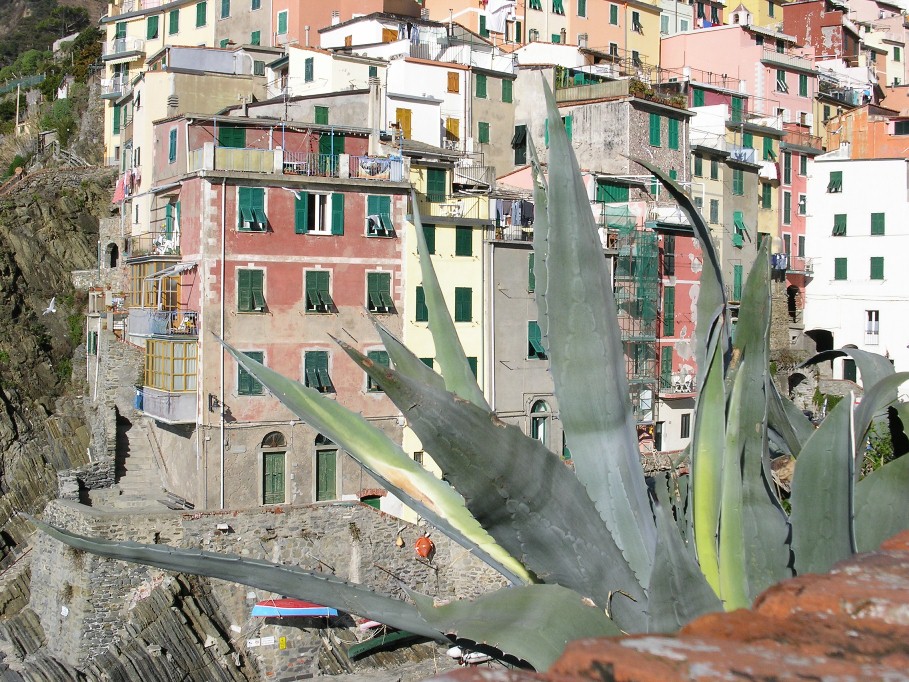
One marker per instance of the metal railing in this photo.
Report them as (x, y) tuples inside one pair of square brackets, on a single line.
[(784, 59), (455, 207), (678, 384), (151, 322), (511, 233), (154, 243), (116, 86), (119, 46), (802, 138), (475, 175), (311, 164), (376, 168)]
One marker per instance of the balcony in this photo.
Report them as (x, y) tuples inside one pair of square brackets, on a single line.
[(799, 265), (678, 385), (210, 157), (454, 207), (474, 175), (116, 87), (166, 323), (136, 5), (121, 50), (802, 139), (511, 233), (375, 168), (784, 59), (165, 243), (743, 154), (166, 406)]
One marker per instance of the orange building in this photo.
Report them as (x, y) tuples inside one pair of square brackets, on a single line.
[(871, 131), (291, 18)]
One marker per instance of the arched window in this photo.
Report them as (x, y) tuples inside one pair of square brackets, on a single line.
[(274, 449), (539, 421), (326, 468), (113, 255)]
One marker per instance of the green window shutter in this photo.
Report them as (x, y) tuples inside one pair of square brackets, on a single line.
[(116, 114), (673, 133), (120, 30), (151, 27), (714, 169), (801, 246), (168, 220), (769, 154), (666, 368), (748, 140), (244, 291), (877, 224), (738, 107), (463, 241), (836, 181), (611, 192), (698, 165), (316, 370), (483, 32), (787, 207), (714, 210), (321, 114), (230, 136), (614, 15), (568, 121), (535, 341), (421, 312), (380, 207), (654, 130), (483, 132), (481, 86), (668, 311), (737, 271), (337, 214), (256, 4), (849, 373), (803, 85), (373, 71), (318, 284), (225, 9), (877, 267), (738, 181), (379, 358), (326, 475), (172, 146), (507, 90), (224, 42), (308, 69), (840, 271), (766, 196), (787, 168), (697, 98), (669, 255), (463, 304), (582, 8), (673, 174), (273, 478), (839, 225), (201, 12), (472, 363), (531, 276), (436, 184), (301, 213), (246, 384), (378, 292), (174, 22), (255, 38), (429, 234), (282, 23)]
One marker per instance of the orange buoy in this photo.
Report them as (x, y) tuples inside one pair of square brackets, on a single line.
[(425, 547)]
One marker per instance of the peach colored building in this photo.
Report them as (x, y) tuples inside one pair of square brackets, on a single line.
[(871, 131), (292, 17)]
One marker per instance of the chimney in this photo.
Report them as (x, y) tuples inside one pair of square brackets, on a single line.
[(374, 114), (335, 17), (306, 28), (582, 40), (564, 35), (424, 14)]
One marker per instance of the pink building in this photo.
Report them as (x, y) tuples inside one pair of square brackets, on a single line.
[(300, 20)]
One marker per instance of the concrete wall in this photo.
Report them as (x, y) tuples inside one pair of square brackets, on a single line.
[(243, 20)]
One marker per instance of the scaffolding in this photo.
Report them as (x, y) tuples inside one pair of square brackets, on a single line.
[(637, 289)]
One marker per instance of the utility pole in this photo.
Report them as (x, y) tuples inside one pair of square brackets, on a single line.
[(18, 94)]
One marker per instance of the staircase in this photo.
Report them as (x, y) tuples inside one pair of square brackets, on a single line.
[(138, 486)]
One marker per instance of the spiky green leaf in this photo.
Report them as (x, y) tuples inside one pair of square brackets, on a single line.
[(289, 581), (405, 361), (520, 492), (533, 623), (787, 420), (881, 501), (435, 500), (587, 360), (450, 355), (540, 242), (871, 366)]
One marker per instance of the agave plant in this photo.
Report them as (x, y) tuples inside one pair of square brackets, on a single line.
[(590, 551)]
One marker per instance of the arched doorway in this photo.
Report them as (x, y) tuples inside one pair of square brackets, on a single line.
[(540, 421), (792, 302), (823, 339), (112, 255), (274, 451)]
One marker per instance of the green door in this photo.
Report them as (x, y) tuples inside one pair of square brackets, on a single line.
[(330, 145), (326, 470), (273, 478)]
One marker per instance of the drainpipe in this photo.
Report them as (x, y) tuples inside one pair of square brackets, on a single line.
[(490, 363), (221, 331)]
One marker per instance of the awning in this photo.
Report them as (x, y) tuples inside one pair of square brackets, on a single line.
[(165, 188), (173, 270), (290, 608)]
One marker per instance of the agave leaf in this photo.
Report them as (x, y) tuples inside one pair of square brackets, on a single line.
[(588, 366), (405, 361), (678, 592), (520, 492), (787, 420), (881, 501), (872, 366), (533, 623), (875, 401), (540, 243), (450, 354), (287, 580), (433, 499)]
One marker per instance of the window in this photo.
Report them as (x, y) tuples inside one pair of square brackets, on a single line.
[(483, 132), (769, 154), (664, 24), (246, 384), (120, 30), (738, 181), (787, 208), (463, 304), (172, 146), (507, 90), (781, 81), (315, 370), (173, 22), (321, 114), (225, 9), (373, 72), (251, 209), (326, 466), (531, 275), (872, 327), (636, 25), (836, 181), (169, 365), (380, 359), (697, 97), (800, 245), (255, 38), (582, 9), (877, 224), (91, 343), (803, 204), (803, 165), (654, 130), (770, 9), (849, 369), (738, 108), (614, 15), (714, 169), (535, 4), (714, 211), (539, 422), (484, 32), (840, 271), (319, 213), (421, 312), (230, 136), (452, 129), (877, 267), (378, 292), (739, 229), (698, 165), (787, 167), (318, 296), (556, 38), (201, 13), (685, 431), (308, 70), (839, 225), (610, 192), (901, 128), (558, 7), (748, 140), (803, 85), (683, 25), (480, 86), (737, 272), (256, 4), (897, 54), (636, 58), (673, 136), (429, 234), (282, 23), (668, 311), (463, 241), (454, 82), (273, 489), (613, 49), (766, 196), (151, 27), (378, 217), (250, 291), (535, 350)]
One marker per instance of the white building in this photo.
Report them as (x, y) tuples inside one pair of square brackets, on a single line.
[(856, 234)]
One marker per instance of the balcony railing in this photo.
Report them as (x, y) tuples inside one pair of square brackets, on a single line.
[(155, 243), (475, 175), (377, 168), (455, 207), (172, 408), (117, 86), (678, 384), (802, 139), (790, 60), (120, 47), (150, 322), (512, 233), (799, 265)]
